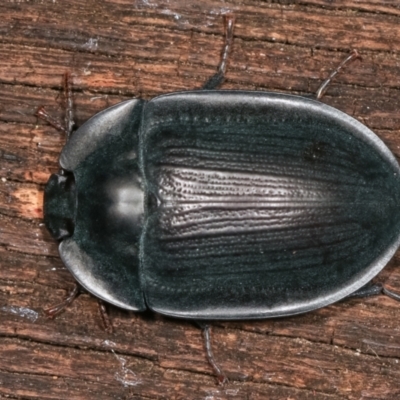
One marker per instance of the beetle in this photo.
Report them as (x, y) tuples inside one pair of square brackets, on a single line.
[(224, 205)]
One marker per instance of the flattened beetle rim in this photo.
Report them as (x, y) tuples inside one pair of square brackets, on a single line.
[(67, 248), (73, 153)]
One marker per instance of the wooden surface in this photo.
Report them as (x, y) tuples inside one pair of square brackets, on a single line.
[(117, 49)]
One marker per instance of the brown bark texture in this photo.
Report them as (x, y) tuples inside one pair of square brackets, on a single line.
[(119, 49)]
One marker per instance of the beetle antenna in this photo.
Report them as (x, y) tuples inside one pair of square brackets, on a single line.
[(219, 77), (221, 377), (324, 86)]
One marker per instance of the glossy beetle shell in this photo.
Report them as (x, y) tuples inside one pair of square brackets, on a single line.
[(225, 205)]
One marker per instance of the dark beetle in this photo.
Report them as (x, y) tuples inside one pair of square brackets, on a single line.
[(224, 204)]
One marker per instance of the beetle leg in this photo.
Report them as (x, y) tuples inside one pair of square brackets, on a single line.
[(372, 290), (221, 377), (324, 86), (51, 312), (105, 318), (69, 115), (391, 294), (45, 116), (368, 290), (219, 77), (69, 105)]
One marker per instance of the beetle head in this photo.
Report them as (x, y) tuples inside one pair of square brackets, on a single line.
[(59, 205)]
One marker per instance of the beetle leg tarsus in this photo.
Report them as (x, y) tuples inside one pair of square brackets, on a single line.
[(324, 86), (221, 377), (219, 77), (105, 318), (69, 123), (51, 312)]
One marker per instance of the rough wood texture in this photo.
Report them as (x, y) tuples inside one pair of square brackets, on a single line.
[(117, 49)]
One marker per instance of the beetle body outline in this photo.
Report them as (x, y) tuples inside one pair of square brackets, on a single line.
[(188, 224)]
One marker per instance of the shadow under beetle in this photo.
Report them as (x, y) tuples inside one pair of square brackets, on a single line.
[(212, 204)]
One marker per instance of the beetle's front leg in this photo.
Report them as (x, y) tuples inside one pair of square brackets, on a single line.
[(69, 123), (53, 311)]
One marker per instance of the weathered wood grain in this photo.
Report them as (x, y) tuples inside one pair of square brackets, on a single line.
[(117, 49)]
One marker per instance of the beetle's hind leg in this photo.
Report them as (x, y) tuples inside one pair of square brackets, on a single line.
[(370, 289), (219, 77), (393, 295), (69, 123), (373, 289), (354, 55)]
